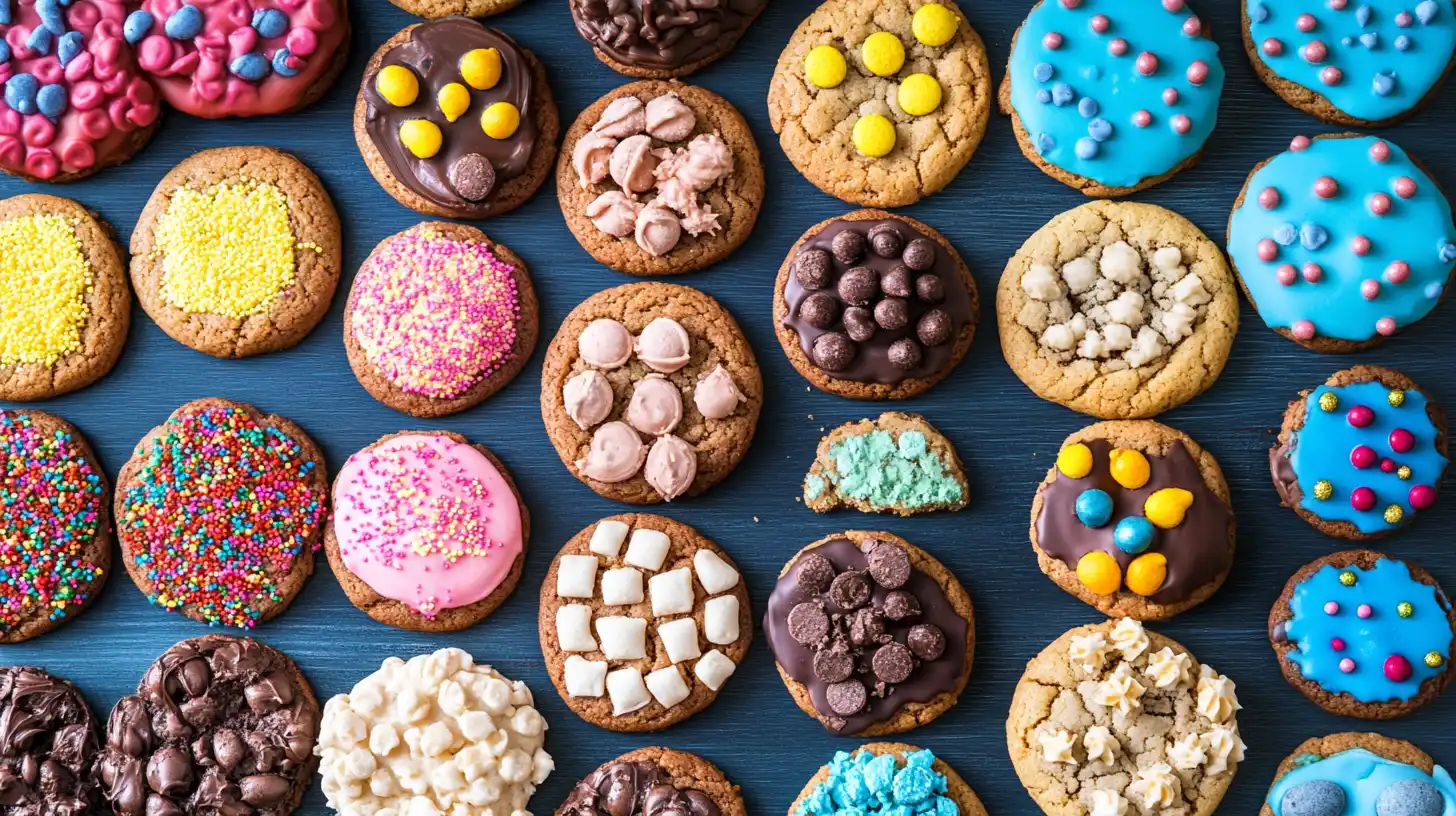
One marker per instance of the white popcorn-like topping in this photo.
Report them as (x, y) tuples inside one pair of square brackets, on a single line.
[(585, 678), (1056, 746), (647, 549), (1127, 309), (1040, 283), (714, 669), (667, 686), (627, 691), (720, 620), (1079, 274), (573, 628), (1189, 289), (622, 586), (680, 639), (623, 638), (608, 537), (714, 573), (1168, 258), (576, 576), (671, 592), (1121, 264)]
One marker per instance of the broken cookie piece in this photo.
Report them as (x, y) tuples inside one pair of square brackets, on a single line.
[(898, 463)]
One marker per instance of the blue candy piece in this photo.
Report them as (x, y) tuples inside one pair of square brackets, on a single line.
[(1087, 107), (1383, 84), (1062, 94), (252, 67), (1099, 129), (138, 24), (1094, 507), (1426, 11), (914, 785), (1045, 143), (270, 23), (40, 40), (1087, 148), (1370, 39), (4, 51), (1446, 251), (184, 24), (1362, 16), (1410, 797), (50, 100), (280, 63), (1044, 96), (69, 47), (1133, 535), (1347, 40), (1043, 72), (20, 93), (1402, 43), (1317, 797), (879, 774), (1312, 236), (1286, 234), (51, 16), (1259, 12), (1433, 290)]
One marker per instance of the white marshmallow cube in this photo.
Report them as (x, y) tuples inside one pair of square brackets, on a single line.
[(573, 628), (667, 686), (585, 678), (672, 592), (621, 586), (714, 669), (720, 620), (576, 576), (680, 638), (713, 572), (647, 549), (623, 638), (607, 538), (627, 691)]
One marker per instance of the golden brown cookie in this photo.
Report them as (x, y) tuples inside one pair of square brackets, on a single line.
[(847, 777), (675, 44), (435, 9), (628, 783), (897, 463), (1358, 773)]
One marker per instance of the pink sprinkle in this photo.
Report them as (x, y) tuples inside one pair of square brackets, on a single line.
[(1269, 198), (1332, 608), (1360, 416), (1347, 665), (1338, 644), (1385, 326), (1268, 250), (1360, 245), (1198, 72), (1117, 47), (1071, 4), (1379, 204), (1404, 19), (1287, 274), (1338, 5), (1052, 40), (1192, 27), (1402, 441), (1170, 96), (1314, 52), (1380, 151), (1312, 272), (1142, 118), (1147, 63), (1273, 46), (1182, 124), (1299, 143), (1370, 288), (1330, 75), (1398, 272), (1174, 6), (1405, 186), (1306, 23), (1364, 610), (1326, 187), (1100, 23), (1302, 330)]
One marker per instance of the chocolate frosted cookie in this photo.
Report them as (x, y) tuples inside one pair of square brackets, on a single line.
[(887, 777), (1134, 519), (659, 178), (870, 633), (50, 742), (875, 306), (898, 463), (1359, 773), (1362, 455), (664, 39), (655, 782), (1364, 635), (218, 725), (456, 120)]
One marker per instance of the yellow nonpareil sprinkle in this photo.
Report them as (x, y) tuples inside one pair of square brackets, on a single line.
[(44, 278)]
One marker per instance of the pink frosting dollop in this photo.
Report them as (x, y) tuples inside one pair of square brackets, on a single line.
[(672, 464), (700, 165), (605, 344), (633, 164), (664, 346), (614, 212), (588, 398), (656, 406), (624, 117), (716, 395), (615, 455), (669, 119), (657, 230), (591, 158)]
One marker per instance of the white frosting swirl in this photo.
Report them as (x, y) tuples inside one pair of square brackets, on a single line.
[(1216, 698), (1101, 745), (1108, 803), (1056, 746), (1088, 651), (1156, 786), (1168, 668), (1129, 638), (1120, 690), (1225, 749), (1186, 754)]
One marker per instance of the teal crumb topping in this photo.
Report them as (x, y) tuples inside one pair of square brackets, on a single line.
[(877, 469), (863, 784)]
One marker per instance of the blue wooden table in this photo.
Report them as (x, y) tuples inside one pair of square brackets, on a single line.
[(1007, 436)]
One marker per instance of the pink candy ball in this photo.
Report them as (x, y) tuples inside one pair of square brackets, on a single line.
[(1405, 186), (1347, 665), (1052, 41), (1330, 75), (1170, 96), (1071, 4), (1269, 198), (1362, 498), (1402, 441), (1370, 288), (1306, 23), (1302, 330), (1385, 326), (1338, 5), (1404, 19), (1379, 204), (1287, 274), (1273, 46), (1360, 245), (1314, 52), (1313, 272), (1364, 610), (1182, 124), (1380, 151), (1147, 63), (1267, 249), (1398, 272), (1326, 187), (1338, 644), (1198, 72), (1174, 6), (1360, 416), (1363, 457), (1299, 143), (1387, 466), (1100, 23), (1192, 27), (1117, 47), (1397, 668), (1142, 118), (1421, 497), (1332, 608)]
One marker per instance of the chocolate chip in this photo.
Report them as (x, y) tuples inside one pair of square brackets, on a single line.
[(904, 354), (850, 590), (892, 663), (900, 605), (847, 697), (808, 624), (169, 772), (926, 641), (898, 282), (819, 310), (887, 240), (815, 573), (848, 246), (920, 254), (929, 289), (1280, 633), (471, 177), (889, 565), (859, 286), (833, 665), (859, 323), (867, 626), (813, 269), (934, 328), (892, 314), (833, 351)]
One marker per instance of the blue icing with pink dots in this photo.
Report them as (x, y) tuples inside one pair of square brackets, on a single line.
[(1372, 59), (1367, 784), (1117, 91), (1345, 238)]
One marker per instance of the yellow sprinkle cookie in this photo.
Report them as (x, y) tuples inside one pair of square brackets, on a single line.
[(44, 278)]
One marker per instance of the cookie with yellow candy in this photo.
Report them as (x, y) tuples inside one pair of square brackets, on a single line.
[(1134, 519)]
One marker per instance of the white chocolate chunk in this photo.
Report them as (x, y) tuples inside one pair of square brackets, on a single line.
[(671, 592), (1059, 337), (585, 678), (622, 586), (647, 549), (1189, 289), (713, 572), (1117, 336), (1127, 309), (714, 669), (680, 639), (1168, 258), (1079, 275), (627, 691), (623, 638), (607, 538), (1121, 263), (576, 576), (573, 628), (1040, 283), (1147, 347), (720, 620), (667, 686)]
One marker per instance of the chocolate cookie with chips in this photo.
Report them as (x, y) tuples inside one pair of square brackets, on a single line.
[(47, 744)]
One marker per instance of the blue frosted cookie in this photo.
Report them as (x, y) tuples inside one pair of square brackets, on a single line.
[(1112, 96), (1352, 62), (1353, 774)]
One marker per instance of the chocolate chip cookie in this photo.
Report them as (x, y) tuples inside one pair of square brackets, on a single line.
[(46, 765), (679, 37), (655, 781)]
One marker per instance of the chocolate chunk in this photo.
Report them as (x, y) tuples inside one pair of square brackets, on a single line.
[(815, 573), (866, 627), (849, 247), (892, 663), (228, 749), (892, 314), (833, 351), (819, 310), (850, 590), (194, 676), (900, 605), (898, 282), (889, 564), (813, 269), (934, 328), (887, 240), (859, 323), (905, 354), (930, 289), (263, 790), (808, 624), (859, 286), (926, 641), (169, 772), (833, 665), (920, 254), (472, 177), (847, 697)]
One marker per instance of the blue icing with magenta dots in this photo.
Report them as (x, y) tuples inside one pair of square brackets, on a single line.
[(1142, 67), (1372, 59), (864, 784), (1371, 784)]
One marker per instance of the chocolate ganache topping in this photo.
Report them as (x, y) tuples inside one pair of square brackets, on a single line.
[(220, 725), (47, 744), (664, 34), (865, 632), (634, 789)]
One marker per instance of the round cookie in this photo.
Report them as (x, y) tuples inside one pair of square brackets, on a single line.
[(55, 534), (1362, 455), (870, 633), (653, 639), (65, 306), (1118, 310), (1111, 718), (660, 178), (1364, 635), (655, 780), (1112, 97), (277, 56), (1342, 241), (237, 252), (421, 120), (884, 777), (1367, 64), (435, 9), (1134, 519), (218, 724), (75, 101), (891, 333), (651, 361), (1359, 773), (241, 557), (51, 739), (421, 546), (844, 87), (897, 463), (680, 39), (439, 318)]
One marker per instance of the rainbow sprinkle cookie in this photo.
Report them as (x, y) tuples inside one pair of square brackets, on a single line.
[(219, 511), (55, 533)]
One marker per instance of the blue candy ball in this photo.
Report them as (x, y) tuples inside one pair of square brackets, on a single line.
[(280, 63), (1099, 129), (1062, 94), (138, 24), (252, 67), (50, 100), (4, 51), (1094, 507), (1133, 535), (1044, 96), (1314, 798), (1043, 72), (1088, 107), (185, 23), (270, 23), (1088, 148), (20, 93), (1410, 797)]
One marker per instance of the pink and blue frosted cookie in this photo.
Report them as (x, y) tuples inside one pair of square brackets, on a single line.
[(1352, 62), (1342, 241), (1112, 96)]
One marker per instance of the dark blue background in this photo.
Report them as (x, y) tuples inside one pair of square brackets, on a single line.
[(1006, 435)]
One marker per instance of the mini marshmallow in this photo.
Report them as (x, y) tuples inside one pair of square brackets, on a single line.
[(1147, 347), (1168, 258), (627, 691), (585, 678), (607, 538), (672, 592), (1117, 336), (622, 638), (1127, 308), (713, 572), (720, 620), (1040, 283), (1059, 337), (576, 576), (680, 638), (573, 628), (714, 669), (668, 686), (1079, 275), (621, 586), (647, 549)]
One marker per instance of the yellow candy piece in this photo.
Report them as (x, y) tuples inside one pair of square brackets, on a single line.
[(883, 53), (398, 85), (1075, 460), (481, 68), (1166, 507), (500, 121), (1129, 468), (422, 137), (453, 100), (874, 135), (934, 25), (919, 94), (1145, 575), (825, 67), (1099, 572)]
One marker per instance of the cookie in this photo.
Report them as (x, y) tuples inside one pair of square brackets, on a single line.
[(435, 9), (660, 178), (1111, 718), (218, 724), (1362, 455), (887, 777), (1112, 98), (652, 640), (240, 557), (430, 533), (75, 101), (1118, 310), (276, 56), (439, 318), (871, 634), (456, 120), (897, 463), (1364, 635), (1359, 773), (875, 306), (881, 102), (55, 534), (681, 37), (655, 362), (655, 780), (49, 745), (237, 252), (480, 739), (65, 306), (1134, 519), (1366, 64), (1342, 241)]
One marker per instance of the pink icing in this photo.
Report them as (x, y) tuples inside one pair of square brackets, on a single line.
[(623, 117), (657, 230), (615, 455), (656, 406), (672, 464), (632, 164), (614, 212), (588, 398), (669, 119), (591, 158), (716, 395), (605, 344)]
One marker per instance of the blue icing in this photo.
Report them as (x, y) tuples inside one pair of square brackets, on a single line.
[(1413, 231), (863, 784), (1368, 641), (1423, 49), (1364, 776), (1115, 87)]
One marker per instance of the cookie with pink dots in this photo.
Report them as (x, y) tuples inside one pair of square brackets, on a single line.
[(242, 57)]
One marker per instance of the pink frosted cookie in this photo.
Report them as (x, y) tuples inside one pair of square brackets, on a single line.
[(74, 101), (219, 58), (428, 532)]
